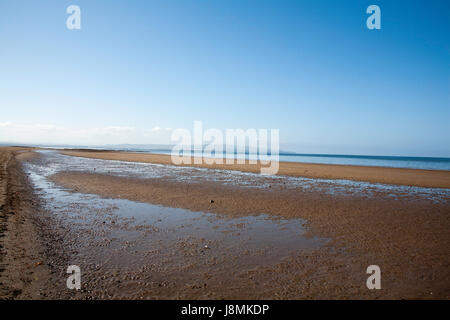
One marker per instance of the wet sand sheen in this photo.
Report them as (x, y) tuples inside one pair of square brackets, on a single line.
[(124, 253), (367, 225), (254, 233), (125, 238), (399, 176)]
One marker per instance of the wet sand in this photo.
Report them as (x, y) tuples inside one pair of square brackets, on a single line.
[(110, 224), (25, 230), (397, 176)]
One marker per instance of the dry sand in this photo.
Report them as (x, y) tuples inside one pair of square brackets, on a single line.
[(398, 176)]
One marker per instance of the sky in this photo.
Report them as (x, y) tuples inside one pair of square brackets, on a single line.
[(136, 70)]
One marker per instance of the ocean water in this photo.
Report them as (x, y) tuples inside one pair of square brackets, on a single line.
[(380, 161), (429, 163)]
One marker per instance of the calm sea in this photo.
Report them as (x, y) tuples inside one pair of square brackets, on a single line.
[(380, 161)]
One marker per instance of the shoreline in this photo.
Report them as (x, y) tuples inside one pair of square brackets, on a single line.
[(385, 175)]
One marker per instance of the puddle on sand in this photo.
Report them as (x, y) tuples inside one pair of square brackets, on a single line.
[(126, 234), (57, 162)]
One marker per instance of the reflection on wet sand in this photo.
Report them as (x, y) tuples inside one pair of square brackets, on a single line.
[(149, 231), (123, 237)]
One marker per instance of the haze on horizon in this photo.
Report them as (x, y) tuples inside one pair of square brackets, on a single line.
[(137, 70)]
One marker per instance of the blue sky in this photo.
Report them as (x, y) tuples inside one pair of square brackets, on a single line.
[(310, 68)]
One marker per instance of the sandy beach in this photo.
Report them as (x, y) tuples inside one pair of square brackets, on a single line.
[(157, 232)]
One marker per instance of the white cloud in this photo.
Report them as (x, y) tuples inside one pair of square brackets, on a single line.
[(49, 133)]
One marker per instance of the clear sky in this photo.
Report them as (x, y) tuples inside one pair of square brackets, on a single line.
[(310, 68)]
